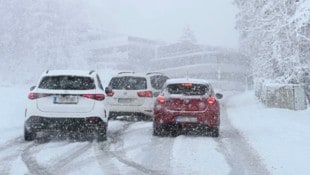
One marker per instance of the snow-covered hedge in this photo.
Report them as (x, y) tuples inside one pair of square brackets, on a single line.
[(274, 95)]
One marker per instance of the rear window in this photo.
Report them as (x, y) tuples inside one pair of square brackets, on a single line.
[(188, 89), (67, 83), (128, 83), (157, 81)]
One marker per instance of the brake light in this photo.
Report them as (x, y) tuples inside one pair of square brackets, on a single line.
[(98, 97), (211, 100), (93, 119), (161, 99), (110, 94), (187, 84), (145, 94), (33, 96)]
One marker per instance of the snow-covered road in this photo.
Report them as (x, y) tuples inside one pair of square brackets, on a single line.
[(130, 149)]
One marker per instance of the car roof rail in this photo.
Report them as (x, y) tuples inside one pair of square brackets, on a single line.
[(126, 72), (90, 72), (154, 73)]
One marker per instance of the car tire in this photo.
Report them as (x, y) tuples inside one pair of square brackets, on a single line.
[(29, 136), (155, 132), (102, 135), (158, 132), (215, 132), (112, 117), (174, 132)]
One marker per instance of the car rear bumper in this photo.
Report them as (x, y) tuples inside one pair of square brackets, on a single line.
[(96, 112), (140, 110), (47, 124), (207, 118), (137, 115)]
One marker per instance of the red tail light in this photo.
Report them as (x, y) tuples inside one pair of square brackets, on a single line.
[(98, 97), (33, 96), (187, 84), (211, 100), (110, 94), (93, 119), (145, 94), (161, 99)]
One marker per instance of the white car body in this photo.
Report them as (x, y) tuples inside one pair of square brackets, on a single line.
[(87, 106), (133, 101)]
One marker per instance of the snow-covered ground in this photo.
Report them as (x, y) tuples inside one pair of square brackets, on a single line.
[(279, 137)]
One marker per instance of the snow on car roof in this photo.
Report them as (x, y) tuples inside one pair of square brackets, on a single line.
[(186, 80), (133, 74), (68, 72)]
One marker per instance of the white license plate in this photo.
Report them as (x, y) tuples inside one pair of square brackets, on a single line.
[(66, 99), (125, 100), (186, 119)]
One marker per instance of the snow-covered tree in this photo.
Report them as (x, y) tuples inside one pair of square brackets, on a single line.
[(275, 34), (188, 36), (38, 35)]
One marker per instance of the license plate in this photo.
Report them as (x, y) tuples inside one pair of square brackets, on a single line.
[(186, 119), (66, 99), (125, 100)]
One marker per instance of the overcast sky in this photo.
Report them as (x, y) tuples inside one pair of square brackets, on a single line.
[(211, 21)]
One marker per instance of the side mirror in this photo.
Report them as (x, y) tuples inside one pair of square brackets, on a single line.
[(219, 95), (109, 91), (32, 88)]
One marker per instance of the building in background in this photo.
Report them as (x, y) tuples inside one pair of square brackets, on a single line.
[(226, 69), (121, 52)]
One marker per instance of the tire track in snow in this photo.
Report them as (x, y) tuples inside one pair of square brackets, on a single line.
[(10, 151), (161, 150), (11, 143), (35, 168), (32, 164), (120, 153), (105, 159), (61, 163), (104, 154), (242, 158)]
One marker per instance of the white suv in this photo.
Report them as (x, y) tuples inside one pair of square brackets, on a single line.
[(67, 102), (133, 94)]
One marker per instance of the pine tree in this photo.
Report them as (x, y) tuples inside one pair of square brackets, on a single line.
[(188, 36)]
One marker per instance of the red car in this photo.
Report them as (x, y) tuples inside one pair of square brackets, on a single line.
[(187, 105)]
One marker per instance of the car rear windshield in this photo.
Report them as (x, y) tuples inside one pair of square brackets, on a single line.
[(67, 83), (157, 81), (128, 83), (188, 89)]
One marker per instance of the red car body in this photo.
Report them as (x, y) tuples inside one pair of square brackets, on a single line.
[(187, 104)]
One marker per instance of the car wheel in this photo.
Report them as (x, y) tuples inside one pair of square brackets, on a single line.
[(29, 136), (147, 118), (158, 131), (102, 135), (112, 116), (174, 133), (202, 131), (215, 132), (155, 132)]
